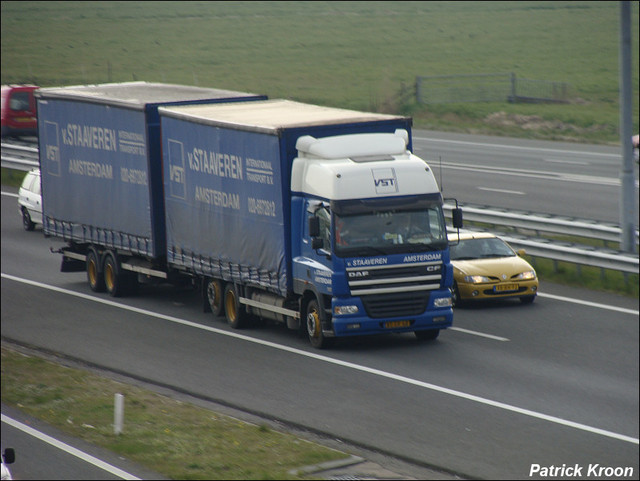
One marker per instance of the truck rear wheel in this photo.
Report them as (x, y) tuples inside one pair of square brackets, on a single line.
[(94, 273), (215, 296), (235, 312)]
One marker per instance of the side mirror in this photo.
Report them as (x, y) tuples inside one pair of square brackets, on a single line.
[(314, 226), (456, 215)]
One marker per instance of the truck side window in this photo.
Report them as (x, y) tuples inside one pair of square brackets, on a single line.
[(325, 226)]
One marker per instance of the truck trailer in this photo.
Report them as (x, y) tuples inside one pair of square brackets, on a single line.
[(315, 217), (101, 170)]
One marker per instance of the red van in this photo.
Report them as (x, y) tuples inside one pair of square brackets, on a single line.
[(19, 110)]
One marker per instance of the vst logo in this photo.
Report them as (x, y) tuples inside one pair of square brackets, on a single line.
[(52, 147), (385, 181), (177, 181)]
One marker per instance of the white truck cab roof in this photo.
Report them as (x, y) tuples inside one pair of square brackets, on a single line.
[(359, 166)]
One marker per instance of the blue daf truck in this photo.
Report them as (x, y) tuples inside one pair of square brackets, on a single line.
[(316, 217)]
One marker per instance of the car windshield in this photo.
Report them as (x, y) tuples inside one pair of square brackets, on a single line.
[(481, 248), (390, 231)]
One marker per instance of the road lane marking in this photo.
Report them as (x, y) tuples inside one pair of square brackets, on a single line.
[(518, 147), (69, 449), (502, 191), (545, 175), (338, 362), (480, 334), (560, 161), (591, 304)]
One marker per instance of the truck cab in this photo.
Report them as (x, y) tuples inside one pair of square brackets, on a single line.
[(374, 247)]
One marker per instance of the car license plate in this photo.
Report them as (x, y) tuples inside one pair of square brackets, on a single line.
[(396, 324), (505, 288)]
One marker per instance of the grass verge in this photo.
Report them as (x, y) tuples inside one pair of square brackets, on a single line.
[(170, 437)]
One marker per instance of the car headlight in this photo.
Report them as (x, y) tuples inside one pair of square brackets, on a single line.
[(526, 276), (476, 279)]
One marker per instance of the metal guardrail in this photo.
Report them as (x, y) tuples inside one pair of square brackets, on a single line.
[(558, 251), (19, 156), (25, 157), (543, 223)]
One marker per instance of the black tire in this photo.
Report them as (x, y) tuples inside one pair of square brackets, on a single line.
[(235, 312), (313, 323), (95, 277), (455, 295), (527, 299), (115, 281), (429, 335), (27, 223), (214, 293)]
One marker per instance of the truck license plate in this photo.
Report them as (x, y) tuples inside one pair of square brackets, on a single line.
[(396, 324), (506, 288)]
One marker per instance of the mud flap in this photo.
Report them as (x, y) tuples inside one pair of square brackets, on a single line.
[(72, 265)]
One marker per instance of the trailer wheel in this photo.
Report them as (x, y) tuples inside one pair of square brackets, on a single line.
[(214, 296), (94, 273), (115, 282), (314, 326), (235, 312)]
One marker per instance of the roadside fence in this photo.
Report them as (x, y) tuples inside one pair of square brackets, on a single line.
[(492, 87)]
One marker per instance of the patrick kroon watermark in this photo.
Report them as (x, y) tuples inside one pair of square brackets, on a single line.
[(593, 470)]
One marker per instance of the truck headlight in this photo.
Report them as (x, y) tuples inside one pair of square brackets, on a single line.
[(442, 302), (345, 310)]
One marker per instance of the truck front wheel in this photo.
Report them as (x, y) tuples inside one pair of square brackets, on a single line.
[(235, 312), (314, 326)]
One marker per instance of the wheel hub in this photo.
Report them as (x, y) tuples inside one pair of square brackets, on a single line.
[(313, 324)]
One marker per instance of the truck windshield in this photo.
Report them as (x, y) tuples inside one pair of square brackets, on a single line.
[(389, 232)]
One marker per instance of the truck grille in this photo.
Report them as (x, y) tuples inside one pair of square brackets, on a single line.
[(391, 291), (395, 305)]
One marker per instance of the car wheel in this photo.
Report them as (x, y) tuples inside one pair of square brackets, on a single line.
[(527, 299), (455, 295), (27, 223)]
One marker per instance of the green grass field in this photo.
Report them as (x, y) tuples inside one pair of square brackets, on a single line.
[(357, 55)]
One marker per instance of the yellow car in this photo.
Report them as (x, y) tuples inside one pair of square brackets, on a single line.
[(486, 267)]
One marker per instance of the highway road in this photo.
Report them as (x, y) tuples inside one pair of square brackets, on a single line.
[(566, 179), (509, 388)]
